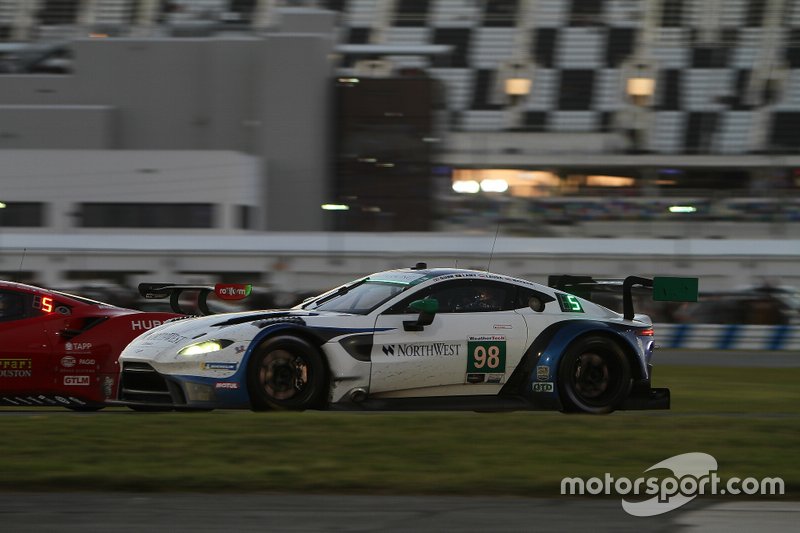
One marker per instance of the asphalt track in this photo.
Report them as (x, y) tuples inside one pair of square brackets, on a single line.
[(21, 512)]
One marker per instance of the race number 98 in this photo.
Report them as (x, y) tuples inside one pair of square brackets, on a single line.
[(486, 356)]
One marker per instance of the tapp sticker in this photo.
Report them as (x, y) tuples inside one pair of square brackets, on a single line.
[(78, 346)]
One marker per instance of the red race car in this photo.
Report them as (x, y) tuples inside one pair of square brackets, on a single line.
[(61, 349)]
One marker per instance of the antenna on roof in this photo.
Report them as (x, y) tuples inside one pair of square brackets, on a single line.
[(491, 254), (19, 273)]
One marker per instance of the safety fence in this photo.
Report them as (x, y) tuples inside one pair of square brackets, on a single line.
[(728, 337)]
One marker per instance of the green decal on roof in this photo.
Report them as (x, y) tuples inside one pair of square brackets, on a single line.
[(668, 289), (569, 303)]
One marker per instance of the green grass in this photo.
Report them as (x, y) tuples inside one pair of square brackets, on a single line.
[(748, 419)]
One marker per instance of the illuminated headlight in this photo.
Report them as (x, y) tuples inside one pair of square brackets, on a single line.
[(204, 347)]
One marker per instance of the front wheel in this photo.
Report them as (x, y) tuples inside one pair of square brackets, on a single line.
[(286, 373), (594, 376)]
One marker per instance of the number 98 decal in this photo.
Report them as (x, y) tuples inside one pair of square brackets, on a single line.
[(486, 354)]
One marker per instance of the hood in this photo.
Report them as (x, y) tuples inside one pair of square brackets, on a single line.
[(239, 328)]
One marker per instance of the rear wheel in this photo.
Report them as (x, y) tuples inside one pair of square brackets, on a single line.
[(286, 373), (594, 376)]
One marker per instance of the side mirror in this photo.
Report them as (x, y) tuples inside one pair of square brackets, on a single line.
[(427, 310)]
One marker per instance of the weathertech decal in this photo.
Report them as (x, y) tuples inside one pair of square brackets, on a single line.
[(421, 350), (18, 367)]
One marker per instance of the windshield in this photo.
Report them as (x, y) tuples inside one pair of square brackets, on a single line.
[(79, 298), (357, 299)]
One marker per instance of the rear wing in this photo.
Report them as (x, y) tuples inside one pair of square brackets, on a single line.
[(223, 291), (664, 288)]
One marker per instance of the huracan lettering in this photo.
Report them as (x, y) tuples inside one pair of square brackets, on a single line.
[(143, 325)]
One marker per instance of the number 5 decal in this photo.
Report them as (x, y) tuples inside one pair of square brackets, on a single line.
[(486, 354)]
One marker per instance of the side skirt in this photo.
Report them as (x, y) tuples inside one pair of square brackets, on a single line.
[(439, 403)]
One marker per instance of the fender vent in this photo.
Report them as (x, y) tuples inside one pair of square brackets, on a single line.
[(279, 320)]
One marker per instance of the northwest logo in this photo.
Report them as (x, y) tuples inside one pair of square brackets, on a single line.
[(421, 350)]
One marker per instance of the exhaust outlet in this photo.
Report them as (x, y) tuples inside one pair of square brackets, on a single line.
[(358, 395)]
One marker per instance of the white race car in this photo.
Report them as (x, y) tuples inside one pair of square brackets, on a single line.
[(414, 338)]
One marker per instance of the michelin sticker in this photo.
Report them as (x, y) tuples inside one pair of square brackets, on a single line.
[(219, 366)]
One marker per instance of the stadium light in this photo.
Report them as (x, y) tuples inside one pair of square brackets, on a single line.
[(466, 186), (2, 205), (641, 89), (335, 207), (640, 84), (518, 84), (491, 185), (518, 87)]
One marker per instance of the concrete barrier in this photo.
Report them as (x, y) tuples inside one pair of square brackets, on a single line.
[(728, 337)]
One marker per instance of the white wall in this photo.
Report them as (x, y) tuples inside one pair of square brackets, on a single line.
[(315, 261), (63, 178)]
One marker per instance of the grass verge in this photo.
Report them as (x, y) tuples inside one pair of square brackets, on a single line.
[(748, 419)]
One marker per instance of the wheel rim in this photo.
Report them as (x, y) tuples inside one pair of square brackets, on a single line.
[(283, 375), (593, 378)]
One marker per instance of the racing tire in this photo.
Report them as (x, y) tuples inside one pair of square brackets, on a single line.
[(286, 373), (594, 376)]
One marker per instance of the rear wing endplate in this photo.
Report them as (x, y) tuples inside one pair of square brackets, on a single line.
[(664, 288), (173, 291)]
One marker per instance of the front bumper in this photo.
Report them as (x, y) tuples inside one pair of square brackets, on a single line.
[(141, 385)]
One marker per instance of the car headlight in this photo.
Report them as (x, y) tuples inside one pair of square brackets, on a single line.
[(204, 347)]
